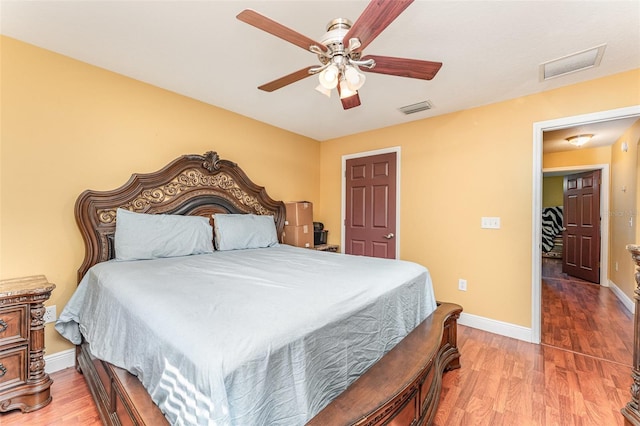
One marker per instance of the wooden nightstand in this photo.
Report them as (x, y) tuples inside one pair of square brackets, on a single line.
[(327, 247), (23, 383)]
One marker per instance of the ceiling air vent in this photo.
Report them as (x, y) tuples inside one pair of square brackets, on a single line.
[(420, 106), (572, 63)]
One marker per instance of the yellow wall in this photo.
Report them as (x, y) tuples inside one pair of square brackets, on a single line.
[(623, 215), (68, 126), (461, 166), (578, 157), (552, 191)]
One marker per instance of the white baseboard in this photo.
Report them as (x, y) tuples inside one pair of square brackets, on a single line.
[(524, 333), (59, 361), (496, 327), (626, 301)]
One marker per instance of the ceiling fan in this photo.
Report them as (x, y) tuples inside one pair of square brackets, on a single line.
[(340, 51)]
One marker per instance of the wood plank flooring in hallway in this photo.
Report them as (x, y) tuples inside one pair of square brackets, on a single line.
[(579, 375), (583, 317), (508, 382)]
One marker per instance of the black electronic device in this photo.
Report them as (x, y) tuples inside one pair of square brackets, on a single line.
[(319, 234)]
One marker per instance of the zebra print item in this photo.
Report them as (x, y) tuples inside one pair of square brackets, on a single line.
[(551, 226)]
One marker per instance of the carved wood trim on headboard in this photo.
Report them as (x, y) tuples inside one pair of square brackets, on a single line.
[(189, 185)]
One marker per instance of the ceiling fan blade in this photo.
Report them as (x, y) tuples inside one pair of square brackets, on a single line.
[(412, 68), (375, 18), (286, 80), (351, 101), (259, 21)]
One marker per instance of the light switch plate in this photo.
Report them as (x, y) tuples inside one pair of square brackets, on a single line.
[(490, 223)]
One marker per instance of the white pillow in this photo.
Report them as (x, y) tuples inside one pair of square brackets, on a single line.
[(149, 236), (244, 231)]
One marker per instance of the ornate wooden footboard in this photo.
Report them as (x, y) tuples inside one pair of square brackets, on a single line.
[(403, 388)]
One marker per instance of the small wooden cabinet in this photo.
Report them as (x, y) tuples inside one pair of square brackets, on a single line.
[(23, 383)]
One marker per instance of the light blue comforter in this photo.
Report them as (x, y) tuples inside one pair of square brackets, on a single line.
[(247, 337)]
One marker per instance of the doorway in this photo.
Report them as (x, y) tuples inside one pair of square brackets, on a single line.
[(568, 251), (538, 130), (391, 222)]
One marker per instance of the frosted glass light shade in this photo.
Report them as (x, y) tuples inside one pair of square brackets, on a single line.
[(355, 79), (345, 91), (329, 77), (327, 92)]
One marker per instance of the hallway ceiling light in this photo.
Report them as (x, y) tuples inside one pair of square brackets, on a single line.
[(579, 140)]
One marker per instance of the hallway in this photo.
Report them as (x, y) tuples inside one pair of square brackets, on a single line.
[(579, 375), (583, 317)]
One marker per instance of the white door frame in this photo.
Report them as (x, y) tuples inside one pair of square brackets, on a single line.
[(536, 232), (343, 218)]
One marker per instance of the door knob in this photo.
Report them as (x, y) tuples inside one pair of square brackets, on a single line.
[(389, 236)]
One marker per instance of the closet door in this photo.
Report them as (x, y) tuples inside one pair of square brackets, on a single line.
[(370, 216)]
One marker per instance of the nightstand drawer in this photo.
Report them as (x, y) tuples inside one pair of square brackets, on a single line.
[(13, 367), (24, 384), (14, 326)]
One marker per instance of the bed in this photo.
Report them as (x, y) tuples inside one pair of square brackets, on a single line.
[(285, 308)]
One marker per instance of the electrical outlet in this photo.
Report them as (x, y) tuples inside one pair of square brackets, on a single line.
[(50, 314), (462, 285)]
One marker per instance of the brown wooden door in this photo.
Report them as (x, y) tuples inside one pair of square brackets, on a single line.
[(581, 239), (370, 217)]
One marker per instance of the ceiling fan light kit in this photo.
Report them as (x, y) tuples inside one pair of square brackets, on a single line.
[(345, 90), (329, 77), (355, 79), (327, 92), (340, 51), (340, 65)]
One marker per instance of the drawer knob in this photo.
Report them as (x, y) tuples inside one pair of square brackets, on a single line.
[(3, 370), (3, 326)]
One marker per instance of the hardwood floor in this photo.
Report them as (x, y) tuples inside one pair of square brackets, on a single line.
[(510, 382), (584, 317), (72, 405), (580, 375)]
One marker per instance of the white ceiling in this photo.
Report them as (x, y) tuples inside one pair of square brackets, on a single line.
[(491, 51)]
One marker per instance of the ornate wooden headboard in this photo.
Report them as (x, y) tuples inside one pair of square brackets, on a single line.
[(189, 185)]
